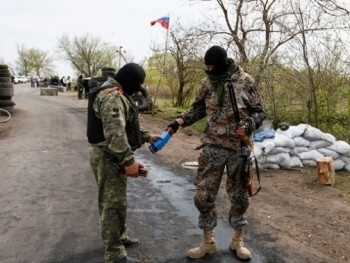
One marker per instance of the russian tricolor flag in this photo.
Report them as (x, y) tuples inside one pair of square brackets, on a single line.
[(163, 21)]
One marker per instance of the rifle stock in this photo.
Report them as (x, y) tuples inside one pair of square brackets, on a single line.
[(245, 148)]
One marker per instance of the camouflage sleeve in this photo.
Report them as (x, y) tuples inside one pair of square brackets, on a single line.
[(112, 109), (145, 135), (197, 111), (255, 113)]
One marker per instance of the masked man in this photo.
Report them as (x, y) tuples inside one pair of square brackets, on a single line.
[(114, 134), (220, 140)]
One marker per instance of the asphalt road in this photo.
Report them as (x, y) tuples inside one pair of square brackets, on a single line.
[(48, 195)]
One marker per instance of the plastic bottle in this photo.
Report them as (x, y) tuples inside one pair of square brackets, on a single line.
[(159, 144)]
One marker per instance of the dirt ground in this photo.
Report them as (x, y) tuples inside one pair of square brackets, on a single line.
[(292, 211), (292, 204)]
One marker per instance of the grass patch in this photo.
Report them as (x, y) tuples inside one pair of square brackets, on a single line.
[(165, 111), (342, 179), (342, 182)]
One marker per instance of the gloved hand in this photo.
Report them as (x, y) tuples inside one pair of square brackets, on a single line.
[(133, 170), (174, 126), (249, 124), (241, 130), (153, 138)]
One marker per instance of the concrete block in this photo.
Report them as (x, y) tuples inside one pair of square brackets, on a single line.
[(48, 92)]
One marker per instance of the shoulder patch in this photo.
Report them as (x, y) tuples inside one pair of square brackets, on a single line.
[(105, 92)]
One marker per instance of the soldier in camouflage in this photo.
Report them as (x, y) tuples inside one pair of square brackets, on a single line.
[(219, 142), (114, 134)]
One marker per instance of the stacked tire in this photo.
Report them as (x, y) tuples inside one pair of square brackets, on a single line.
[(98, 80), (6, 89)]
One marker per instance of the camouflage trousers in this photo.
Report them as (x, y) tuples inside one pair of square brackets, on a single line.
[(112, 204), (211, 165)]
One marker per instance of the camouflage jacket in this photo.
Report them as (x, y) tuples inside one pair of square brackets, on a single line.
[(220, 127), (116, 112)]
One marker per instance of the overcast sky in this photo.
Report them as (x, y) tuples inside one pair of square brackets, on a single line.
[(39, 23)]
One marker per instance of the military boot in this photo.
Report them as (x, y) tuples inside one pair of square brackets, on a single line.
[(208, 246), (237, 245), (129, 260), (131, 242)]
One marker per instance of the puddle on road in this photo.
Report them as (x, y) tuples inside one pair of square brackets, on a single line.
[(176, 186)]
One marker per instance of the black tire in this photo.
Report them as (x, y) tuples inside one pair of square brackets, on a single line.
[(141, 102), (92, 83), (107, 69), (7, 103), (6, 92), (3, 66), (5, 79), (283, 126), (96, 81), (5, 75), (10, 109), (100, 78), (6, 98), (108, 72), (6, 85)]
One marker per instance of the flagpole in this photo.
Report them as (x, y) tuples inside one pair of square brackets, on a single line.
[(163, 67)]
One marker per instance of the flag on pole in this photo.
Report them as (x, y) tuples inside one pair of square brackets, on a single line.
[(163, 21)]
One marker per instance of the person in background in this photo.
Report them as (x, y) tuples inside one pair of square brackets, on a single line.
[(80, 86), (32, 82), (69, 83), (219, 143), (37, 79), (86, 88), (64, 81), (114, 134)]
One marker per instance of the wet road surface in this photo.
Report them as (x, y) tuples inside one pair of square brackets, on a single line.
[(48, 194)]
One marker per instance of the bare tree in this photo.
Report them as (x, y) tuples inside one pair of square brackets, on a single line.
[(318, 35), (23, 62), (40, 61), (87, 54), (259, 28), (183, 68), (184, 47), (270, 34), (33, 60)]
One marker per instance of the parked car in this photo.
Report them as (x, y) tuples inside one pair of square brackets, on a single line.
[(20, 79)]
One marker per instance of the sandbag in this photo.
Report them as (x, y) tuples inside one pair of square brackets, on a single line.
[(266, 146), (328, 152), (338, 164), (298, 150), (340, 147), (279, 149), (310, 155), (293, 131), (282, 159), (300, 141), (295, 162), (319, 144), (282, 140), (307, 162), (314, 134)]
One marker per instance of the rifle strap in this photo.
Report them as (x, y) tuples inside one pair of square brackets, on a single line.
[(257, 175)]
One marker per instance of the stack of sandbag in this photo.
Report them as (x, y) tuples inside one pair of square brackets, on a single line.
[(300, 146)]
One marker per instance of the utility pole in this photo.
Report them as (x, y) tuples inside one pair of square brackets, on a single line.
[(120, 55)]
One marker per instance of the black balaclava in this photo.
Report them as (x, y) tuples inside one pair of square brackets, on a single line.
[(216, 56), (130, 77)]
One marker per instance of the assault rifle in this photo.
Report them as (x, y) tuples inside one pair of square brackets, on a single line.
[(242, 151)]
